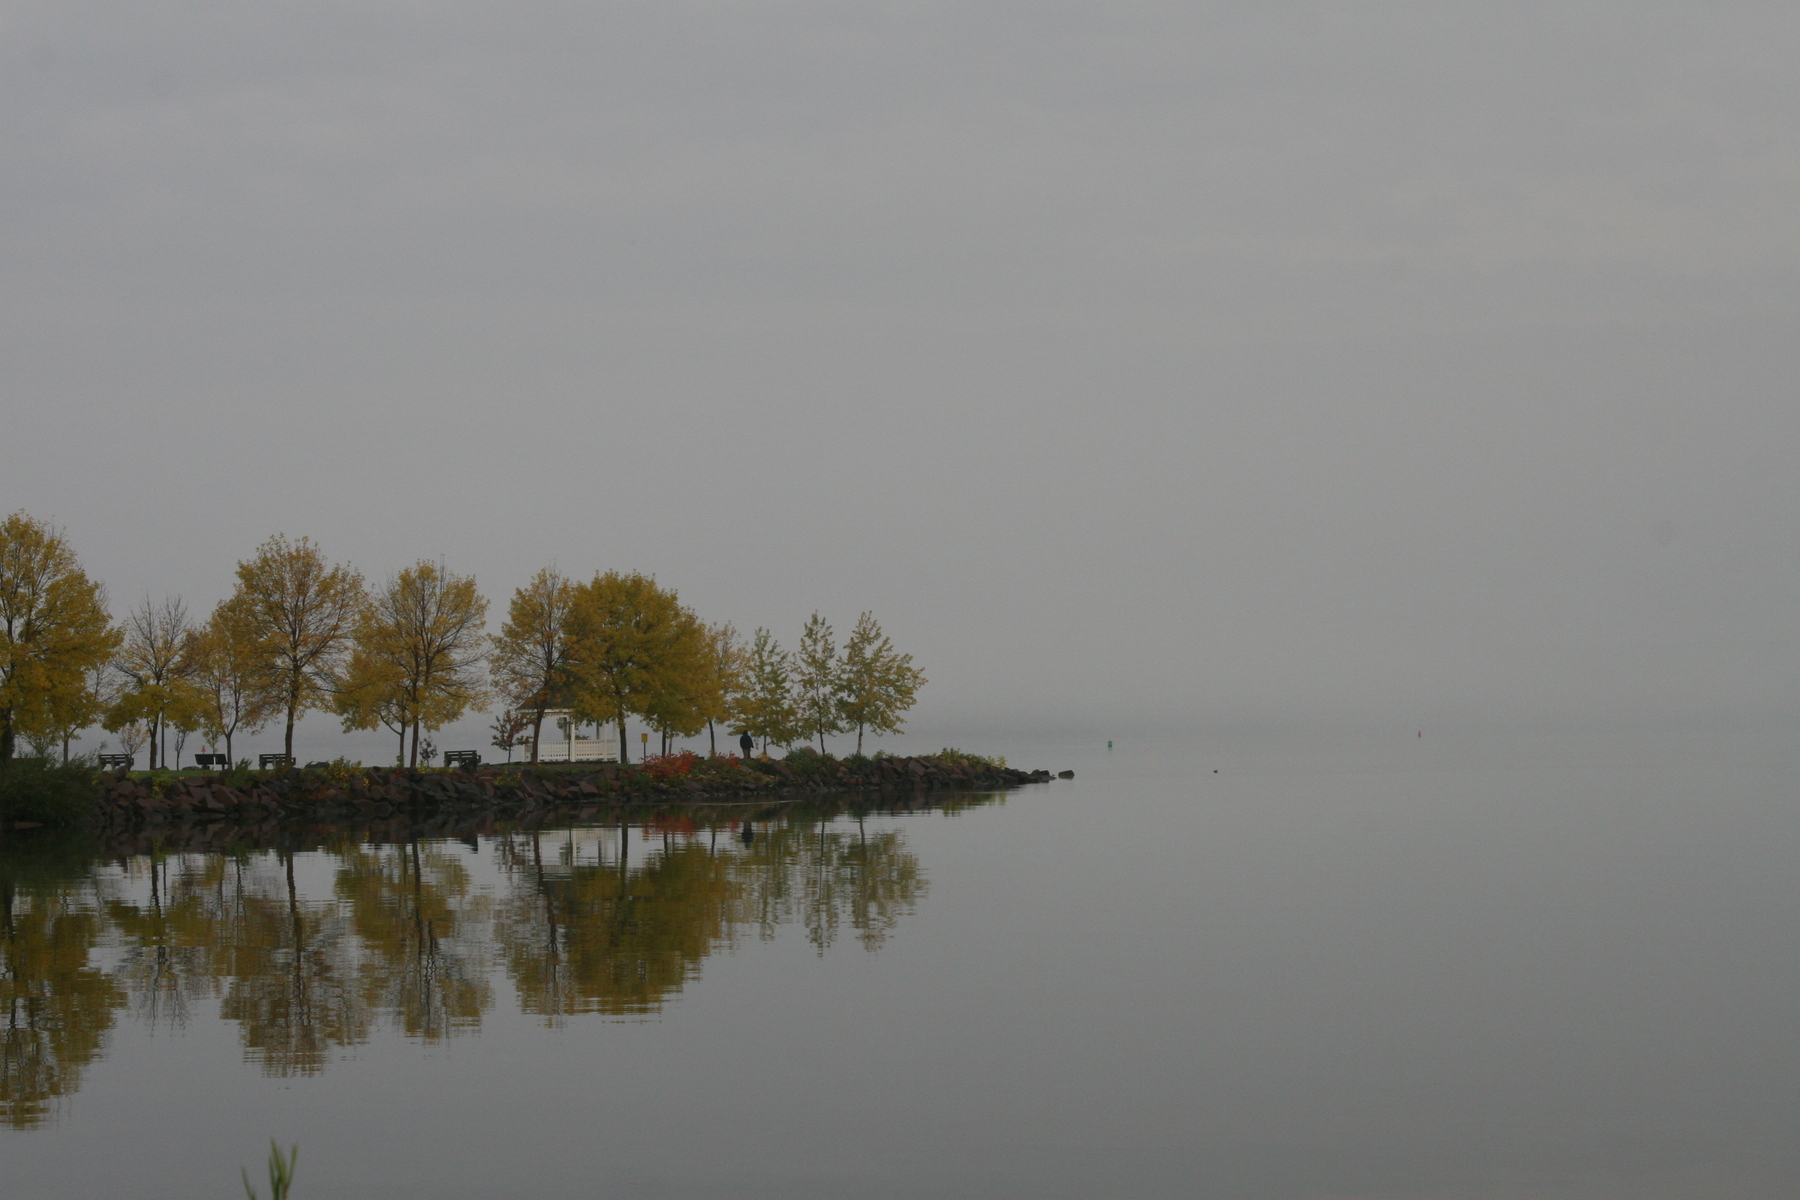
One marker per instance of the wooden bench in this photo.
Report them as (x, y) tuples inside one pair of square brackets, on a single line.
[(468, 760), (274, 762), (116, 762), (207, 762)]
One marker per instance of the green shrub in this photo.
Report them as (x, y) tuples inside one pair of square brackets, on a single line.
[(719, 770), (340, 772), (807, 763), (33, 790), (952, 757)]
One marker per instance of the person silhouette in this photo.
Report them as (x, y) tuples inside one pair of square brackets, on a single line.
[(747, 744)]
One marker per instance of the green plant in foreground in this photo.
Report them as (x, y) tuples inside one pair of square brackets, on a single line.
[(38, 792), (281, 1172)]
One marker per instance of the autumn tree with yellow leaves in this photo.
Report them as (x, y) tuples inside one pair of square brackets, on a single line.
[(301, 612), (370, 695), (54, 628), (418, 649), (299, 633), (762, 703), (64, 713), (226, 672), (875, 683), (723, 663), (154, 666), (690, 690), (816, 681), (634, 650), (529, 658)]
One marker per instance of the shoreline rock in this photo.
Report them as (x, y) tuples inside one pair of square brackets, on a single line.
[(346, 795)]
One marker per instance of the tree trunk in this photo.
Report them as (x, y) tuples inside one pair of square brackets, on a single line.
[(415, 745), (294, 910), (288, 744), (712, 742), (6, 735), (624, 756), (537, 727)]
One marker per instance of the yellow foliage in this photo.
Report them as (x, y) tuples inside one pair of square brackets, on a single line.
[(417, 647), (300, 613), (54, 628)]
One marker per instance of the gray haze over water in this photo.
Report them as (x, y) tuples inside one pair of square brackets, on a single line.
[(1135, 363), (1510, 967)]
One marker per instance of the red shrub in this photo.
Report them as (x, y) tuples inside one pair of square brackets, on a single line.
[(670, 766)]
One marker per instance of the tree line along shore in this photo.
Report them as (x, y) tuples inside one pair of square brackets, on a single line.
[(300, 633)]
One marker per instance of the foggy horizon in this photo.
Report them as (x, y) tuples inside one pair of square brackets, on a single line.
[(1138, 367)]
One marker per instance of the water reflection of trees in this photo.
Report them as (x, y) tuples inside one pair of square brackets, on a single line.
[(58, 1006), (614, 923), (827, 879), (416, 915), (605, 936)]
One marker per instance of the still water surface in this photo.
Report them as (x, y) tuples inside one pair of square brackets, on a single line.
[(1356, 966)]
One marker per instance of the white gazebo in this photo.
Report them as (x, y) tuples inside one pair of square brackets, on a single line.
[(569, 748)]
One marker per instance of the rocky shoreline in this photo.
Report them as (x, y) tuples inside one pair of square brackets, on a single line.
[(249, 803)]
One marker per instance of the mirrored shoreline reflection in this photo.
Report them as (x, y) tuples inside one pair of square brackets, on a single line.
[(314, 946)]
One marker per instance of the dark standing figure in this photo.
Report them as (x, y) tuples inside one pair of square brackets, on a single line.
[(747, 744)]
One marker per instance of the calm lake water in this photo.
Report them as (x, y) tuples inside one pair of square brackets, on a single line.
[(1371, 966)]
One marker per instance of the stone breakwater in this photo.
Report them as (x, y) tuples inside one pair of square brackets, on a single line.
[(245, 805)]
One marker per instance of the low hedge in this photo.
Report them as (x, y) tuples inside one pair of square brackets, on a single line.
[(36, 792)]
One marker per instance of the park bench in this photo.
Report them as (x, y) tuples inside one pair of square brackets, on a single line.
[(116, 762), (466, 759), (207, 762), (274, 762)]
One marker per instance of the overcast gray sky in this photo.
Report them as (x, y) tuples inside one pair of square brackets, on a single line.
[(1134, 362)]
